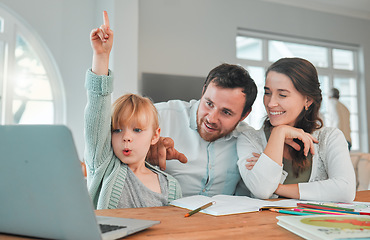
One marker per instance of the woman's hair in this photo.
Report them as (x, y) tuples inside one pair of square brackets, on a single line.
[(304, 77), (134, 109)]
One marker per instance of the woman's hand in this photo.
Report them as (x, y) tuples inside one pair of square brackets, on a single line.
[(284, 134), (292, 133), (252, 161)]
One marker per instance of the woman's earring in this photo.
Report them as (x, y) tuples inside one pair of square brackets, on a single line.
[(306, 107)]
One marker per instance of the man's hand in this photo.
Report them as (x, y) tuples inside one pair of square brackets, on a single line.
[(252, 161), (164, 150)]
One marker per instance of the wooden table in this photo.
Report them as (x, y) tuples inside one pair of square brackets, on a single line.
[(257, 225)]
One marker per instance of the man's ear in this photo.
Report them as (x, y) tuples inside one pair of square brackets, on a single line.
[(246, 115), (156, 136)]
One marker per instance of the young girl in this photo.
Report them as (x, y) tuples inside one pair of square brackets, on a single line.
[(117, 143), (293, 155)]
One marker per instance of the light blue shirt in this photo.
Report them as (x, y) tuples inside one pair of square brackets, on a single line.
[(212, 166)]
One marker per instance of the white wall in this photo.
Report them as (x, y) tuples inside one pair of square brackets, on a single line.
[(191, 37), (181, 37)]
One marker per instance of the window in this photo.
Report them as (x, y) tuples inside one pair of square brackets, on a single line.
[(336, 65), (31, 90)]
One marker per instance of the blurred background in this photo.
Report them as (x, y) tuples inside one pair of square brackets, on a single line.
[(164, 49)]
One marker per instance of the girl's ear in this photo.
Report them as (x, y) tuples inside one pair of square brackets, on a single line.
[(156, 136)]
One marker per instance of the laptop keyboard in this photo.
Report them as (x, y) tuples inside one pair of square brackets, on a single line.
[(107, 228)]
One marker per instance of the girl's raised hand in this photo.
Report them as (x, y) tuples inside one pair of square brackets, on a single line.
[(102, 38)]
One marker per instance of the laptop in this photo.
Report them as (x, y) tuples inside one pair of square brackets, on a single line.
[(43, 192)]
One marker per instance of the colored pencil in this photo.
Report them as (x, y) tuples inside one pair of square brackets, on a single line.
[(324, 207), (289, 212), (348, 212), (310, 210)]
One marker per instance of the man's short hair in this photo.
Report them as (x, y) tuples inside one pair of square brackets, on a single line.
[(233, 76)]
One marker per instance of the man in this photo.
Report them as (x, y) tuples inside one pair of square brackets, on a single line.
[(339, 116), (206, 132)]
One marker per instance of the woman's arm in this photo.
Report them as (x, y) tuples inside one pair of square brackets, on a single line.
[(285, 134), (280, 136), (267, 173), (288, 191), (264, 177), (341, 182)]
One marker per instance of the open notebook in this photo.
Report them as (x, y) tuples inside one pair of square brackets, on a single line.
[(43, 191)]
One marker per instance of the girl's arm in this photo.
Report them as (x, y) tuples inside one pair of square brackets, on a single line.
[(99, 87), (101, 43)]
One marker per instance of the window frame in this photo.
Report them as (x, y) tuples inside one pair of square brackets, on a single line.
[(13, 26)]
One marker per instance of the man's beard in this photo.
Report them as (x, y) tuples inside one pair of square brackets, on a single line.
[(210, 137)]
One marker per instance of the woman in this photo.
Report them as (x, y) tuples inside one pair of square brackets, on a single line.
[(293, 155)]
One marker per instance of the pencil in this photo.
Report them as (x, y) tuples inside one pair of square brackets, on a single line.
[(364, 213), (199, 209), (338, 211), (324, 207), (321, 211), (289, 212)]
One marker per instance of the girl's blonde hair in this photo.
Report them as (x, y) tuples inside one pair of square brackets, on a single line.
[(134, 109)]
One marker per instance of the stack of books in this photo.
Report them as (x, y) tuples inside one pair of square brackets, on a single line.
[(326, 222)]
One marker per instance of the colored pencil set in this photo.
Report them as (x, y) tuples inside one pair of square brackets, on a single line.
[(310, 208)]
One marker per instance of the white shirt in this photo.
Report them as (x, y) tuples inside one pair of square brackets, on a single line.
[(332, 176), (212, 166)]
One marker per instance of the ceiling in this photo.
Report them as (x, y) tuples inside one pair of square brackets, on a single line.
[(351, 8)]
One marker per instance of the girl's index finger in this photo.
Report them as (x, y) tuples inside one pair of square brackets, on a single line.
[(106, 19)]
